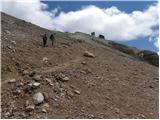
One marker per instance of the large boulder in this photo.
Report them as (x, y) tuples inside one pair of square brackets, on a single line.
[(149, 56), (88, 54)]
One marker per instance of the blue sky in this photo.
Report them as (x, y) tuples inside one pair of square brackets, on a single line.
[(134, 23), (127, 6)]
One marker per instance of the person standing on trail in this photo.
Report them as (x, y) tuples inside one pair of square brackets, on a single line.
[(44, 40), (52, 38)]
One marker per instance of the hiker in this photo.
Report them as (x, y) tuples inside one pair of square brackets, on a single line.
[(44, 40), (52, 38)]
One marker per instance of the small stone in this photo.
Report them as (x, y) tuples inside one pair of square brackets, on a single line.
[(72, 86), (23, 115), (36, 84), (83, 63), (98, 77), (38, 98), (151, 113), (77, 92), (46, 105), (8, 32), (65, 79), (151, 86), (49, 81), (83, 72), (44, 110), (91, 116), (13, 42), (70, 94), (10, 47), (87, 70), (32, 73), (141, 116), (46, 96), (18, 91), (12, 81), (62, 77), (117, 110), (123, 84), (45, 59), (7, 114), (30, 108), (28, 88), (25, 72), (88, 54), (37, 77), (107, 98), (19, 84), (27, 103)]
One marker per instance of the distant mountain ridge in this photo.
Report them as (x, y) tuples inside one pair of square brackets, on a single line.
[(144, 55)]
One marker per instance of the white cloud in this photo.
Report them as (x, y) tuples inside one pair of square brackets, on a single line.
[(111, 22), (154, 38), (33, 11)]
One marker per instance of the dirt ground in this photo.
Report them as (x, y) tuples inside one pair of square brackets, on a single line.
[(109, 85)]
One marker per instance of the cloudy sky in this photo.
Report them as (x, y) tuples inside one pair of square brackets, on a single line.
[(133, 23)]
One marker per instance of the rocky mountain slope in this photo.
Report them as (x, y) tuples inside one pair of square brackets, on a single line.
[(132, 52), (76, 78)]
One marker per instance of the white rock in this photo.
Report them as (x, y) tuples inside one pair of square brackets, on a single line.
[(25, 72), (48, 80), (37, 77), (10, 47), (38, 98), (18, 91), (65, 79), (88, 54), (7, 114), (30, 107), (12, 81), (45, 59), (36, 84), (77, 92), (44, 110)]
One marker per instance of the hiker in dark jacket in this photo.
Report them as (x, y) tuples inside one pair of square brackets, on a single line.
[(52, 38), (44, 40)]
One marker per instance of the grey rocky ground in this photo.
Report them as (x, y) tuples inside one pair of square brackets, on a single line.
[(62, 82)]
